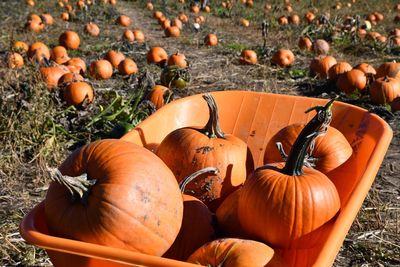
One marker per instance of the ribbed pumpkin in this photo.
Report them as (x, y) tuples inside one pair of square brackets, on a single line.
[(114, 57), (211, 39), (77, 92), (330, 150), (234, 252), (366, 68), (139, 36), (51, 75), (177, 59), (157, 55), (127, 67), (15, 61), (101, 69), (305, 43), (190, 149), (351, 81), (117, 194), (287, 204), (337, 69), (69, 40), (320, 66), (78, 62), (283, 58), (38, 51), (248, 57), (390, 69), (92, 29), (59, 54), (384, 90), (197, 224), (157, 94)]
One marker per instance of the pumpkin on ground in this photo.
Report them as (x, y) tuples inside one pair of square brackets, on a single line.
[(283, 58), (286, 204), (177, 59), (76, 93), (69, 40), (337, 69), (384, 90), (351, 81), (157, 94), (101, 69), (390, 69), (127, 67), (234, 252), (113, 193), (157, 55), (197, 224), (190, 149), (248, 57), (51, 75), (15, 61), (320, 66)]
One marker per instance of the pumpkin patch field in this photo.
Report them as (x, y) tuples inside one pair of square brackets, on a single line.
[(79, 80)]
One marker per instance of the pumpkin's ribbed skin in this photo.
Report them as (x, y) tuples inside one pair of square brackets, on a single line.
[(286, 211), (135, 204), (235, 252), (156, 95), (197, 229), (187, 150), (331, 149)]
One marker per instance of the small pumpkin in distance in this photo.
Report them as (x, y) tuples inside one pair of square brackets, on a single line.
[(248, 57), (64, 16), (294, 19), (123, 21), (282, 20), (70, 40), (121, 179), (76, 93), (127, 67), (283, 58), (320, 66), (47, 19), (305, 43), (128, 36), (205, 147), (172, 31), (114, 57), (384, 90), (390, 69), (337, 69), (287, 204), (157, 55), (139, 36), (211, 39), (78, 62), (15, 60), (366, 68), (351, 81), (38, 51), (177, 59), (234, 252), (20, 46), (69, 77), (59, 54), (320, 47), (101, 69), (51, 75), (157, 95), (92, 29)]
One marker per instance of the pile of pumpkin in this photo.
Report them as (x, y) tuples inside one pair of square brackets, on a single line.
[(382, 85), (118, 194)]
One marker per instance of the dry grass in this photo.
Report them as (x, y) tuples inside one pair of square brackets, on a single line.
[(37, 130)]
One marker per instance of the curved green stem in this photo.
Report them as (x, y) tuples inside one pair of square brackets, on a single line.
[(316, 127), (212, 128)]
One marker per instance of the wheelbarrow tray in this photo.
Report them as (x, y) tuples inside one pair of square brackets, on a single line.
[(254, 117)]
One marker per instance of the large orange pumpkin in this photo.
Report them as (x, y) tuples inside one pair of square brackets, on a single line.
[(283, 58), (127, 198), (51, 75), (190, 149), (234, 252), (157, 94), (337, 69), (390, 69), (330, 151), (287, 204), (69, 40), (101, 69), (38, 51), (351, 81), (320, 66)]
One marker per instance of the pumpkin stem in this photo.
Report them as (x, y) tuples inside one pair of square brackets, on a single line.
[(188, 179), (212, 128), (306, 139), (79, 185)]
